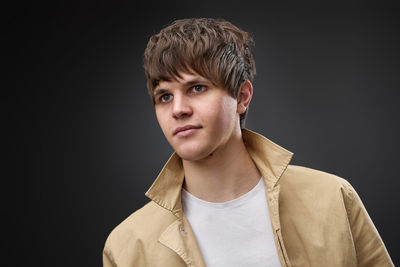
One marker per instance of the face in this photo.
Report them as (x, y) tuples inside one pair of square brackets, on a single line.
[(196, 117)]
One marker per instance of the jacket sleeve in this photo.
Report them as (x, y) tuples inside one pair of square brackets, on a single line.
[(123, 249), (107, 261), (369, 246)]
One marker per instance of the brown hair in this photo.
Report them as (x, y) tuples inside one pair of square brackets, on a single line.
[(213, 48)]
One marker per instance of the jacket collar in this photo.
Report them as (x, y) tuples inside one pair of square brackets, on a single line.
[(270, 159)]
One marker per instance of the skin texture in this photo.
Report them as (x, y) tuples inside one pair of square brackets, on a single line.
[(217, 165), (199, 104)]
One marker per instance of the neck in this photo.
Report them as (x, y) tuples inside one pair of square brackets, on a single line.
[(226, 174)]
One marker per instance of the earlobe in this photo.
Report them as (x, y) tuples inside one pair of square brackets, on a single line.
[(244, 96), (241, 108)]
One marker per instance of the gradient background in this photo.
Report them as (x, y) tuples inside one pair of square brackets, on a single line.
[(87, 142)]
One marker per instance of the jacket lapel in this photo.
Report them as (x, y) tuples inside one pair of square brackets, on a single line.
[(273, 205), (179, 237), (166, 192)]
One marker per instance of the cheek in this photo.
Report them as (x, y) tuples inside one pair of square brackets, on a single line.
[(222, 113), (162, 121)]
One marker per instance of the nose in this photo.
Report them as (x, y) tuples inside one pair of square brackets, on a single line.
[(181, 107)]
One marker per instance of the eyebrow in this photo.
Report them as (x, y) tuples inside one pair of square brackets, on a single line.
[(160, 91)]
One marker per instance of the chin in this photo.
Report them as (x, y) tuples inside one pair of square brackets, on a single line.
[(190, 156), (193, 154)]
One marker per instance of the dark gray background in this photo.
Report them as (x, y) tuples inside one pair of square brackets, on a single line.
[(87, 142)]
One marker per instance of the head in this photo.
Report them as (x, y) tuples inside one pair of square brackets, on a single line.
[(213, 48)]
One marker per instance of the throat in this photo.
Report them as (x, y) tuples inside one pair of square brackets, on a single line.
[(221, 178)]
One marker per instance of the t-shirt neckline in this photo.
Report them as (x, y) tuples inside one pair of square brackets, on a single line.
[(188, 197)]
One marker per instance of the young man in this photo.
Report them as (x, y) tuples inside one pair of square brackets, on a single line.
[(227, 196)]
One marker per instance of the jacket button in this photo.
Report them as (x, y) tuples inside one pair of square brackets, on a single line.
[(182, 229)]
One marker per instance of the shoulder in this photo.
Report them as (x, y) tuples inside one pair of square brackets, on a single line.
[(141, 229), (310, 183), (312, 177), (317, 208), (317, 194)]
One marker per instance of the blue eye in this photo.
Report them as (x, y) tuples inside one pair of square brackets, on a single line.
[(165, 98), (198, 88)]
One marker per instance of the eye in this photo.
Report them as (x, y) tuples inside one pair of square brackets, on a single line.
[(198, 88), (165, 98)]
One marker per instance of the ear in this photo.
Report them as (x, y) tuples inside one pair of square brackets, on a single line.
[(244, 96)]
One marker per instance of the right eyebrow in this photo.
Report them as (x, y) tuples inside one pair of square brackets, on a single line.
[(159, 92)]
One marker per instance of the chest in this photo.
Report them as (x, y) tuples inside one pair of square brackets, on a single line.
[(236, 233)]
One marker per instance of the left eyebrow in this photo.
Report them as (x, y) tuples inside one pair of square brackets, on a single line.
[(195, 81)]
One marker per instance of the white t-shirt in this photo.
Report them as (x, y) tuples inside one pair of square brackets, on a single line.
[(233, 233)]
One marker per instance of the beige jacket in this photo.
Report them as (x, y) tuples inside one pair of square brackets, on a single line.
[(317, 218)]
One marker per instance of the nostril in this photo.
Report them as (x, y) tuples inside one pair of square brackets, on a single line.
[(181, 110), (181, 114)]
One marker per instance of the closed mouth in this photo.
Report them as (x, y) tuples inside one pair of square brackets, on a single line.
[(185, 128)]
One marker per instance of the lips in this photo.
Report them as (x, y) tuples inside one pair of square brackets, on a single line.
[(187, 129)]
